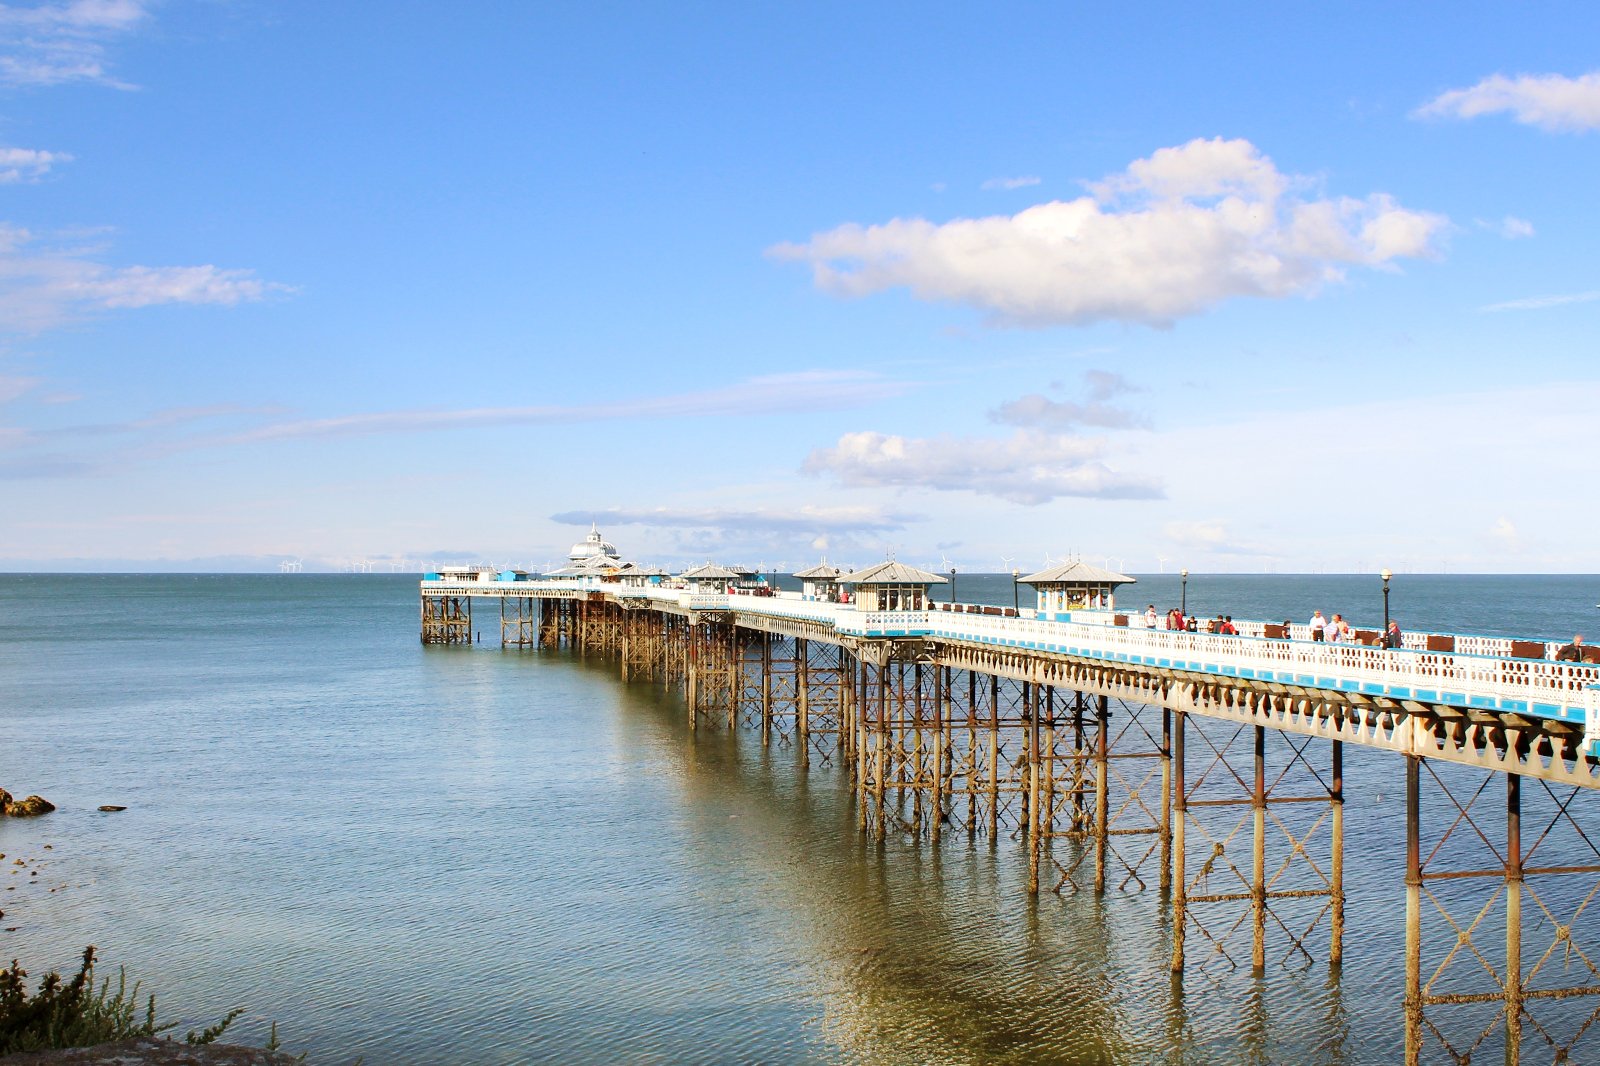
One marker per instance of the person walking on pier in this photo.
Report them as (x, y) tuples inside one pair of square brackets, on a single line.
[(1318, 624), (1391, 637), (1334, 631), (1571, 653), (1150, 617)]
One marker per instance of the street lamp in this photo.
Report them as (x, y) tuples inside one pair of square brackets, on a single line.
[(952, 584), (1183, 607), (1016, 597), (1386, 575)]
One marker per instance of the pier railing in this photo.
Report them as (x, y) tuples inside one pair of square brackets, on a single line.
[(1480, 674)]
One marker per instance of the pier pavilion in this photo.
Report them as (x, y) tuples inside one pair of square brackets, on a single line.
[(1075, 586), (1208, 768)]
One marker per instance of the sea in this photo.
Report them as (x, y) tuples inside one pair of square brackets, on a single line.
[(407, 854)]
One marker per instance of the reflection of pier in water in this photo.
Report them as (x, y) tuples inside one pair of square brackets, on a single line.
[(1206, 772)]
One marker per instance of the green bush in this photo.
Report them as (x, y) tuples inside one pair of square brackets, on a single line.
[(76, 1014)]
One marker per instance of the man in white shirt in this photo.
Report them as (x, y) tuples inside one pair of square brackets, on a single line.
[(1150, 617), (1317, 624)]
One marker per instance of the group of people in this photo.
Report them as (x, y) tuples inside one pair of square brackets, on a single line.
[(1336, 630), (1324, 630), (1176, 621)]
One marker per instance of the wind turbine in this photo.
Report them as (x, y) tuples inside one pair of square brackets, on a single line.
[(1161, 564)]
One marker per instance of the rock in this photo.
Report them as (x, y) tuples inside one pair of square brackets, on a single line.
[(152, 1051), (31, 807), (5, 801), (111, 807)]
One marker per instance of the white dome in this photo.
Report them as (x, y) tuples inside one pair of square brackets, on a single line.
[(591, 546)]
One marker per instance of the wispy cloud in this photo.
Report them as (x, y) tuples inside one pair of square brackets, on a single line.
[(1172, 236), (43, 285), (795, 393), (1007, 184), (1028, 467), (807, 520), (13, 386), (1037, 410), (54, 44), (1551, 102), (1511, 227), (1211, 537), (27, 164), (1538, 303)]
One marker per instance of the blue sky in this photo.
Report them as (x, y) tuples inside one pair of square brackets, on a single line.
[(1257, 288)]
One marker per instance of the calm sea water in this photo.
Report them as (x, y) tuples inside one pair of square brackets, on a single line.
[(464, 855)]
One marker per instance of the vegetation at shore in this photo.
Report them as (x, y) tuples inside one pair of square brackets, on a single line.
[(65, 1014)]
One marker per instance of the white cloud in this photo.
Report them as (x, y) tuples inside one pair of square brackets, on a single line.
[(1504, 532), (1539, 303), (1549, 101), (52, 44), (27, 164), (1172, 236), (1513, 228), (1008, 184), (1028, 467), (43, 286)]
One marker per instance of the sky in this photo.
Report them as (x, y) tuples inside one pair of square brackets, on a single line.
[(1246, 288)]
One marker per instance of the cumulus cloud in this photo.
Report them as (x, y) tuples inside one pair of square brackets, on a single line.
[(1539, 303), (1028, 467), (42, 286), (1007, 184), (27, 164), (817, 521), (54, 44), (1549, 101), (1172, 236)]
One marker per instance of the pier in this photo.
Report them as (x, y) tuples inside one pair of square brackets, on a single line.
[(1207, 768)]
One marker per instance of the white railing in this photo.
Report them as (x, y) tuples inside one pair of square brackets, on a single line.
[(1492, 682), (1479, 673)]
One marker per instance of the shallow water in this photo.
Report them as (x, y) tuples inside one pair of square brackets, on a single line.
[(393, 850)]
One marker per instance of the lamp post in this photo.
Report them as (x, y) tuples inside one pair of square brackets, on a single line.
[(1016, 597), (1183, 607), (952, 584), (1386, 575)]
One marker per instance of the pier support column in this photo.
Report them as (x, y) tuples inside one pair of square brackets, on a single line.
[(1336, 863), (1513, 981), (802, 711), (1180, 818), (1413, 996), (1258, 878), (1164, 883), (1102, 801), (1035, 833)]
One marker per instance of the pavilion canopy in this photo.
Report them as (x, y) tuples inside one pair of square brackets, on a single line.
[(891, 573), (1077, 572)]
